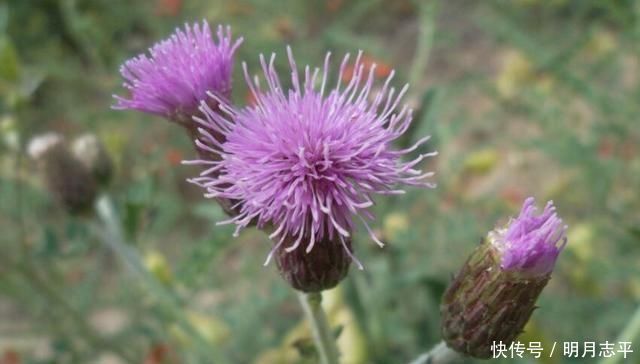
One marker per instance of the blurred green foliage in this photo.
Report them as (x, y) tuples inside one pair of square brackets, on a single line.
[(526, 97)]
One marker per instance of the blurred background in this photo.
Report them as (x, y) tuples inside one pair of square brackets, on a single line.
[(522, 98)]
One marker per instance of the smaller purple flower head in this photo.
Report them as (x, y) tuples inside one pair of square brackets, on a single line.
[(179, 72), (530, 243), (307, 160), (495, 292)]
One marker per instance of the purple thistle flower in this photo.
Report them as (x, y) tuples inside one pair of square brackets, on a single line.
[(531, 244), (307, 160), (179, 72)]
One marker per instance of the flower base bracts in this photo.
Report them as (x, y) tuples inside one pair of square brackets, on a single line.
[(317, 270)]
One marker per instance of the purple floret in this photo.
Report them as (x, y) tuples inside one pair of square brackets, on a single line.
[(308, 159), (179, 72), (531, 244)]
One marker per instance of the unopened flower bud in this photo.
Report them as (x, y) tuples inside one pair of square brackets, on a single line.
[(89, 150), (321, 268), (41, 144), (494, 294), (68, 180)]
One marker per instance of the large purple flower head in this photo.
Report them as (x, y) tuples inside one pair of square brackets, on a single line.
[(179, 72), (307, 160), (531, 243)]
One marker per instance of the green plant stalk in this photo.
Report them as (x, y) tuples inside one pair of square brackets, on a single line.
[(322, 335), (439, 354), (423, 44), (630, 333), (54, 298), (113, 237), (44, 288)]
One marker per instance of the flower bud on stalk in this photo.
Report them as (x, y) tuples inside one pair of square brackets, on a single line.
[(494, 294), (68, 180), (90, 151)]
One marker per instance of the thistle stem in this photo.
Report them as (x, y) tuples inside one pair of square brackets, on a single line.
[(113, 237), (56, 300), (427, 14), (439, 354), (322, 336)]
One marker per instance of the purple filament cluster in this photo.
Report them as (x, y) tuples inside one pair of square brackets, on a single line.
[(179, 72), (307, 160), (531, 243)]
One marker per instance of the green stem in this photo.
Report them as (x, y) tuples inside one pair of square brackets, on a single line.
[(439, 354), (113, 237), (423, 44), (322, 334), (56, 300), (630, 332)]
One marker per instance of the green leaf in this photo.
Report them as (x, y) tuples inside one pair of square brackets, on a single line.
[(4, 17), (209, 211), (49, 245), (337, 331), (9, 62), (425, 118), (305, 348)]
